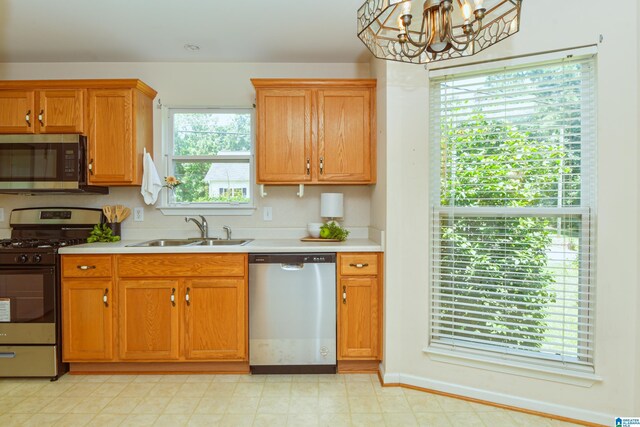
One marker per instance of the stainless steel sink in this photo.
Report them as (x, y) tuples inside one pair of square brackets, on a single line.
[(223, 242), (166, 242), (191, 242)]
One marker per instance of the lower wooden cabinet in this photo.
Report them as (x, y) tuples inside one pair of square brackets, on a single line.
[(216, 319), (148, 319), (183, 307), (87, 320), (359, 306)]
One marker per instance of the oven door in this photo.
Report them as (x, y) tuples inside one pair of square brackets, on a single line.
[(40, 162), (28, 305)]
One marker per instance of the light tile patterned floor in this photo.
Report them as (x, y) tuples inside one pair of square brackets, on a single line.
[(239, 400)]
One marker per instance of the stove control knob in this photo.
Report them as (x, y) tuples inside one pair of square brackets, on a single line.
[(23, 259), (37, 258)]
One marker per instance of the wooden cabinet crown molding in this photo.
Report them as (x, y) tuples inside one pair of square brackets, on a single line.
[(313, 83), (80, 84)]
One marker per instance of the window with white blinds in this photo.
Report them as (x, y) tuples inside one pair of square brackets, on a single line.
[(513, 196)]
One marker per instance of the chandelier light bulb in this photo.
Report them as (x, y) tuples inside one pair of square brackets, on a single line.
[(406, 8), (466, 11)]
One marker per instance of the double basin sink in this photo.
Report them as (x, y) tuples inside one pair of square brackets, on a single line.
[(191, 242)]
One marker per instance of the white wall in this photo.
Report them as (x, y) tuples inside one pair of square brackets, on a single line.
[(546, 25), (198, 84)]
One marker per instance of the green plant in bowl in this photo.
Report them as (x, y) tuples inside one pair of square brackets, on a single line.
[(102, 233)]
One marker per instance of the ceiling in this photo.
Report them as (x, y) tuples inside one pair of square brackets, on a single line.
[(157, 30)]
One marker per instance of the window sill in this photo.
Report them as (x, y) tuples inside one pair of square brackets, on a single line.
[(207, 210), (508, 366)]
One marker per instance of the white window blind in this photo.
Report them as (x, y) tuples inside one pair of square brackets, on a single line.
[(513, 196)]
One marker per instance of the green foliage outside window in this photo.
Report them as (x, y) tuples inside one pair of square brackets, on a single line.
[(207, 134), (497, 259)]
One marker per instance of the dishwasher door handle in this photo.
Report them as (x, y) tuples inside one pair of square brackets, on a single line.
[(292, 267)]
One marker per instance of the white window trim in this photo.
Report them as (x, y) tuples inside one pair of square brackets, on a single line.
[(229, 209), (503, 362)]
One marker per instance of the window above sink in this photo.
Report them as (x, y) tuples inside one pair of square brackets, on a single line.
[(210, 150)]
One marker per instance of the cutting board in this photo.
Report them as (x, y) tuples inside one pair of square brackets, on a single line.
[(317, 239)]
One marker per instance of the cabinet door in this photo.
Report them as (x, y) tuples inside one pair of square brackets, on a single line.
[(358, 318), (60, 111), (284, 136), (110, 136), (344, 136), (87, 320), (148, 314), (17, 111), (216, 319)]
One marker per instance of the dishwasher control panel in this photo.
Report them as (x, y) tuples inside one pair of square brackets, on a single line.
[(296, 258)]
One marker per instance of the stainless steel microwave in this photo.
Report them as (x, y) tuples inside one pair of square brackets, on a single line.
[(53, 163)]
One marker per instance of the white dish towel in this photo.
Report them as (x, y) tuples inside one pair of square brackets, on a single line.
[(151, 183)]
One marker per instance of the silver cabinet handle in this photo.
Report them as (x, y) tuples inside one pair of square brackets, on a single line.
[(8, 355), (359, 265), (41, 117), (105, 299), (308, 166), (27, 117), (344, 294), (187, 298), (86, 267), (321, 165), (173, 297)]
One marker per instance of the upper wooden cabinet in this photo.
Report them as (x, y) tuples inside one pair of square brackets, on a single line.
[(42, 111), (315, 131), (116, 116)]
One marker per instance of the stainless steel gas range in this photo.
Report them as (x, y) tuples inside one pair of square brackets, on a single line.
[(30, 327)]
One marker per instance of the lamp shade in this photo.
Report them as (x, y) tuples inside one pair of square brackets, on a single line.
[(331, 205)]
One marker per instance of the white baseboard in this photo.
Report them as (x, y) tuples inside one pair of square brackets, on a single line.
[(503, 399)]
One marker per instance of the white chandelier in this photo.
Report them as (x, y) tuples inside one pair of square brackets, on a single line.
[(447, 30)]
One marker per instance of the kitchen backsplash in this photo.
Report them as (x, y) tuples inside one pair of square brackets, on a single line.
[(290, 213)]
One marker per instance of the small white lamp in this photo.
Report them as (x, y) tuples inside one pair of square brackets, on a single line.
[(331, 206)]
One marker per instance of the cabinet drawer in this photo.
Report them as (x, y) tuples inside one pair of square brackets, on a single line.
[(181, 265), (357, 264), (86, 266)]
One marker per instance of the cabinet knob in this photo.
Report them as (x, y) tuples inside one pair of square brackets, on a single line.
[(41, 117), (308, 166), (90, 167), (27, 117), (321, 165), (173, 297), (86, 267), (187, 298), (344, 294), (105, 299)]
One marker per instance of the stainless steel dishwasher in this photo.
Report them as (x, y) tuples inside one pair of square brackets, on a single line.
[(292, 313)]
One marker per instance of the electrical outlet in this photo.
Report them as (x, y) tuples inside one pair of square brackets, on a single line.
[(1, 214), (138, 214), (267, 214)]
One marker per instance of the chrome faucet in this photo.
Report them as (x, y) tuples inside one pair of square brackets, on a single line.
[(202, 225), (228, 231)]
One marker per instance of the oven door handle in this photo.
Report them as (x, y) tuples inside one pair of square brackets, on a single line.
[(8, 355)]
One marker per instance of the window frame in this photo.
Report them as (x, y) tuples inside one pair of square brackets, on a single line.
[(512, 361), (167, 206)]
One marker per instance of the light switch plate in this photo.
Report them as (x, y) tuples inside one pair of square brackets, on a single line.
[(1, 214), (267, 214), (138, 214)]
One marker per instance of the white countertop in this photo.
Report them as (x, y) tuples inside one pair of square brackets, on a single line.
[(255, 246)]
